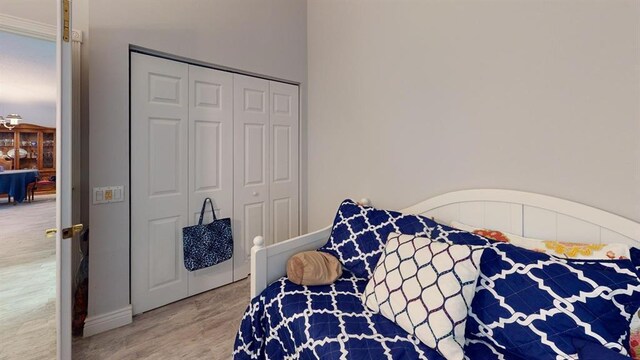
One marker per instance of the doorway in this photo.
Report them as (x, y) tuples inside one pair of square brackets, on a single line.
[(36, 181), (28, 83)]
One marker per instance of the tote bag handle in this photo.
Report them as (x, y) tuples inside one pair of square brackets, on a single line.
[(204, 204)]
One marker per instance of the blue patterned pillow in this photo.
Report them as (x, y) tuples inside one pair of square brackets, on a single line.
[(360, 232), (534, 305), (592, 351)]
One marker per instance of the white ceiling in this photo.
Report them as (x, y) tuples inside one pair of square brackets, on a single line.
[(28, 78)]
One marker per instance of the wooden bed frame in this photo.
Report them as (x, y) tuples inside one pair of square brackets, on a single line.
[(522, 213)]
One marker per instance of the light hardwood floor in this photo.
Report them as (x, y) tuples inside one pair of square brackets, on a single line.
[(200, 327), (27, 280)]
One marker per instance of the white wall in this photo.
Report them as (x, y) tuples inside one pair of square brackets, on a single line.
[(415, 98), (43, 11), (39, 111), (266, 37), (28, 78)]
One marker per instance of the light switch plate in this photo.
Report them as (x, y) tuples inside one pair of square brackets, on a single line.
[(108, 194)]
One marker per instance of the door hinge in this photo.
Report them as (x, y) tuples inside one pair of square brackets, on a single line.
[(67, 15)]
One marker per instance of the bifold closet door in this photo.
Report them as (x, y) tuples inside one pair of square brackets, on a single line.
[(210, 160), (197, 133), (251, 167), (283, 187), (159, 183), (265, 165), (182, 153)]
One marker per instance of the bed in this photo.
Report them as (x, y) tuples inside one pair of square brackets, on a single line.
[(285, 320)]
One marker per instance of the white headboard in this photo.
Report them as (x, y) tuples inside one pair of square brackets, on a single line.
[(531, 215), (526, 214)]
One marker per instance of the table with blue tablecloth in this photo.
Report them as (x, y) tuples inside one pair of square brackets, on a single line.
[(14, 183)]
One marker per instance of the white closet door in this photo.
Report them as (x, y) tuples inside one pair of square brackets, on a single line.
[(251, 168), (159, 185), (210, 160), (283, 190)]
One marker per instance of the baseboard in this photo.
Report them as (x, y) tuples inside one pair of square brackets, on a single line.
[(104, 322)]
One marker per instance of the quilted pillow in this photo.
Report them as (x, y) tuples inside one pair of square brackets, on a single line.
[(534, 305), (568, 250), (359, 233), (426, 287), (592, 351)]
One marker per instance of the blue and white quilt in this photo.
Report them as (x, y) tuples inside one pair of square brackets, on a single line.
[(527, 305), (289, 321), (536, 305)]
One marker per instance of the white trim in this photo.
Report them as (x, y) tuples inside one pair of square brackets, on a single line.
[(32, 28), (76, 115), (258, 262), (111, 320), (27, 27), (76, 35)]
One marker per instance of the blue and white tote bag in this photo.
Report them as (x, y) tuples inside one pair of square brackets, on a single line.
[(209, 244)]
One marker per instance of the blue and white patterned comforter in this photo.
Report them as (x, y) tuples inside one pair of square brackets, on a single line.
[(289, 321), (527, 304)]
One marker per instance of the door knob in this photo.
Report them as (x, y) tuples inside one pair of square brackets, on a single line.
[(255, 193), (66, 232), (77, 228)]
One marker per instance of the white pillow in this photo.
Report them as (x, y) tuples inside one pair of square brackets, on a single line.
[(426, 287), (567, 250)]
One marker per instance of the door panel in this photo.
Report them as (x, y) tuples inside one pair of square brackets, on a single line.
[(164, 264), (254, 154), (251, 168), (164, 89), (282, 219), (207, 160), (164, 156), (255, 220), (282, 152), (159, 184), (211, 160), (283, 185)]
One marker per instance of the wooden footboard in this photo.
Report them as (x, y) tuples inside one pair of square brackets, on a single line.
[(269, 263)]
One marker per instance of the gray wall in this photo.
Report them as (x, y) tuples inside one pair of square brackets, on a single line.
[(415, 98), (267, 37)]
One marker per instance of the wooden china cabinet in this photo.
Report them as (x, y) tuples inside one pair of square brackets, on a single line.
[(30, 146)]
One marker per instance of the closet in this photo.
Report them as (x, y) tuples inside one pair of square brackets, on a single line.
[(198, 132)]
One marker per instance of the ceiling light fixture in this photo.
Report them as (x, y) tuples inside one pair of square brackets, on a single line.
[(10, 121)]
